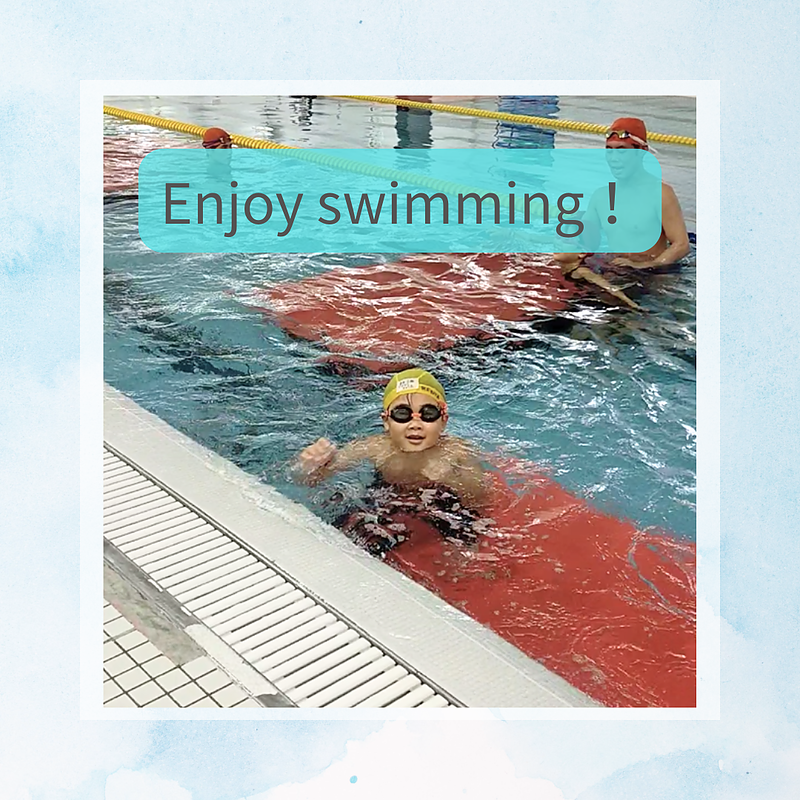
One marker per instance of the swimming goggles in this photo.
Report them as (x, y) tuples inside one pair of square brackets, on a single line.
[(218, 144), (626, 135), (428, 413)]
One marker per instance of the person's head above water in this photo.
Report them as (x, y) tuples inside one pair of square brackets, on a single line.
[(216, 138), (628, 132), (414, 410)]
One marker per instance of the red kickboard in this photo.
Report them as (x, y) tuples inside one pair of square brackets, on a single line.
[(380, 317), (608, 607)]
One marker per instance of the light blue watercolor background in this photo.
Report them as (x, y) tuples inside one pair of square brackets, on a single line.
[(45, 752)]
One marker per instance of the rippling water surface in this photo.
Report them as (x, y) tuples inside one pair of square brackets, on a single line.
[(605, 400)]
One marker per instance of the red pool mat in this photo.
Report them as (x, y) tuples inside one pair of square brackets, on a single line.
[(608, 607), (380, 317)]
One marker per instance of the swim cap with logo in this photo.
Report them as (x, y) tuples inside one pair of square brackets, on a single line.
[(413, 381)]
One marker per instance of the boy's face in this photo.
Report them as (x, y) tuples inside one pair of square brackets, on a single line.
[(416, 434)]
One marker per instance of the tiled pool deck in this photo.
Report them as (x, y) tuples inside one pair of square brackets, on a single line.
[(138, 675)]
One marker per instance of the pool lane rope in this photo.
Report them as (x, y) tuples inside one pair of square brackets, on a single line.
[(350, 166), (521, 119), (334, 162), (186, 127)]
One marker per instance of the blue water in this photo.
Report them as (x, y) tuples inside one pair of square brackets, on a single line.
[(603, 399)]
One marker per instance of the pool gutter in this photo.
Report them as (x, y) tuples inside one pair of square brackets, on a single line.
[(470, 664)]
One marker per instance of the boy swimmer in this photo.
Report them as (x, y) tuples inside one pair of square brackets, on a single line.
[(412, 452)]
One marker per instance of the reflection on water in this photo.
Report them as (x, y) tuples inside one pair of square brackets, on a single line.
[(413, 125), (586, 397), (512, 135), (323, 122), (602, 398)]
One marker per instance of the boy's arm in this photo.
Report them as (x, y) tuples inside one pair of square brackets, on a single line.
[(322, 459), (471, 483)]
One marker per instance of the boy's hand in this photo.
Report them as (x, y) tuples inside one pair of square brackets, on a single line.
[(316, 456)]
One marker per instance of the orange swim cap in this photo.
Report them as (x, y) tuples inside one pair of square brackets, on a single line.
[(635, 127), (214, 137)]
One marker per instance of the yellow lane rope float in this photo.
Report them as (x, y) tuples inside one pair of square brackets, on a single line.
[(326, 160), (522, 119), (185, 127), (334, 162)]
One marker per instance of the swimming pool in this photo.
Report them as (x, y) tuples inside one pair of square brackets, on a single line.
[(606, 402), (602, 400)]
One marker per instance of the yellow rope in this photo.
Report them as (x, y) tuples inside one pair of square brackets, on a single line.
[(334, 162), (185, 127), (540, 122), (330, 161)]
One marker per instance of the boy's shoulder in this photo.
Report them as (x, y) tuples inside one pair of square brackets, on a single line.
[(374, 446), (456, 446)]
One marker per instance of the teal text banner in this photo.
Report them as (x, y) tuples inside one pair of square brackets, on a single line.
[(400, 201)]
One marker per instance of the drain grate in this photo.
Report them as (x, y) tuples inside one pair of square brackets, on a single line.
[(316, 657)]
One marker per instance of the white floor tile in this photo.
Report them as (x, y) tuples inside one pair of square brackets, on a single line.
[(158, 666), (110, 649), (229, 696), (163, 702), (131, 640), (132, 678), (123, 701), (187, 694), (213, 681), (144, 652), (200, 666), (146, 693), (117, 627), (173, 679), (249, 703), (110, 690), (206, 702), (118, 664)]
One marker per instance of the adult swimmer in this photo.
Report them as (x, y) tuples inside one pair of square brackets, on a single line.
[(628, 133)]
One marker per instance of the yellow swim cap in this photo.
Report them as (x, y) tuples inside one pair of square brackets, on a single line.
[(410, 381)]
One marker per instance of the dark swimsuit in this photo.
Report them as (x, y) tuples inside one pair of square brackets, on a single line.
[(377, 523)]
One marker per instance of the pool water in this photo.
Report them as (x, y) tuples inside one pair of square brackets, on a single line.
[(599, 400), (602, 399)]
